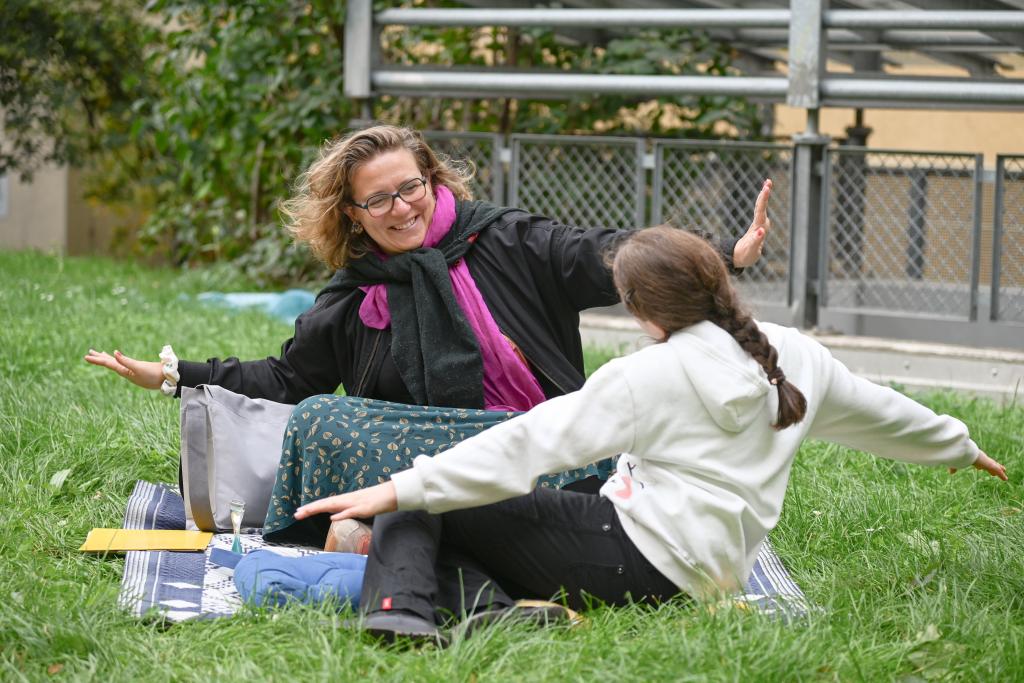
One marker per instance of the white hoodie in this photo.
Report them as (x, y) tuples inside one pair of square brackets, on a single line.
[(702, 475)]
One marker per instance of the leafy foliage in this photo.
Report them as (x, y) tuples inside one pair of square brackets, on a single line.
[(69, 71), (230, 100), (248, 91)]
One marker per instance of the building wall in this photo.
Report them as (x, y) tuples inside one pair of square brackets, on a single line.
[(37, 212), (52, 212), (989, 132)]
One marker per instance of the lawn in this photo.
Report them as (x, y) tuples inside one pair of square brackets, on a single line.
[(920, 575)]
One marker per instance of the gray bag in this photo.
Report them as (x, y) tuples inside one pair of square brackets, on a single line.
[(230, 448)]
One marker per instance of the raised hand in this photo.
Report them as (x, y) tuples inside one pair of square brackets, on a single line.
[(146, 374), (361, 504), (749, 247)]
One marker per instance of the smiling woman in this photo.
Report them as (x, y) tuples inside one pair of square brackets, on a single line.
[(461, 311)]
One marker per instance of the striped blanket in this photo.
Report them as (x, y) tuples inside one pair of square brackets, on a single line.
[(177, 586)]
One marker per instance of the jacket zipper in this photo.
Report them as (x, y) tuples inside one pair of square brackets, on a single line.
[(369, 363), (543, 372)]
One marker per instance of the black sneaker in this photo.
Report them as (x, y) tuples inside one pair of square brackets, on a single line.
[(398, 626)]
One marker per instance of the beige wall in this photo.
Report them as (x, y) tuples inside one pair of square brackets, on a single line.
[(931, 130), (52, 212), (36, 216), (989, 132)]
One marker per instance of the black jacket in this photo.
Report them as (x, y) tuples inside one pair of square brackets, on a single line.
[(534, 274)]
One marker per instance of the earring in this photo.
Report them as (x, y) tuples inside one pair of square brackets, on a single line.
[(356, 228)]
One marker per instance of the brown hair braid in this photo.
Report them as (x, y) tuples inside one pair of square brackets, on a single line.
[(675, 279)]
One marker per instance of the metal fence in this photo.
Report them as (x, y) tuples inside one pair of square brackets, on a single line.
[(902, 248), (1008, 239), (483, 151), (589, 182), (712, 186), (904, 232)]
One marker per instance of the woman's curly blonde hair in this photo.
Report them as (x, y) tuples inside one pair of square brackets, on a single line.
[(315, 214)]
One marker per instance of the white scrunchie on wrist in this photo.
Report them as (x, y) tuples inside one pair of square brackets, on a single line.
[(171, 376)]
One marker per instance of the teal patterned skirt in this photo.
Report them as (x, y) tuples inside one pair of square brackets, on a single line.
[(336, 444)]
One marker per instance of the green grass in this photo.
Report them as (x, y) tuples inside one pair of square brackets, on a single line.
[(921, 575)]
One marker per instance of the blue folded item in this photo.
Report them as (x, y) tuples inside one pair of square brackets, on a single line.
[(286, 306), (267, 579)]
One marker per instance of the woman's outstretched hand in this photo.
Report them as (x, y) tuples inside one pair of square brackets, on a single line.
[(986, 464), (361, 504), (748, 249), (146, 374)]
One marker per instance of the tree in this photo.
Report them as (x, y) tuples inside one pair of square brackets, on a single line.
[(230, 99), (69, 73)]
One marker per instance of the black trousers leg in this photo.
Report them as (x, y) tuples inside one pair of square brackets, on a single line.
[(410, 569), (548, 541)]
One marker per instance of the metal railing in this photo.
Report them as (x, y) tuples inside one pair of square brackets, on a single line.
[(483, 151), (711, 186), (1008, 240), (809, 26), (584, 181), (904, 232), (900, 248)]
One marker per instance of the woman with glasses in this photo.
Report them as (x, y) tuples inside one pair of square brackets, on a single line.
[(446, 316)]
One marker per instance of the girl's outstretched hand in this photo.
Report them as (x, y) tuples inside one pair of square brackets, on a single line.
[(986, 464), (748, 249), (146, 374), (361, 504)]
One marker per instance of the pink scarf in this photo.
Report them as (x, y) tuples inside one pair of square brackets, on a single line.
[(508, 383)]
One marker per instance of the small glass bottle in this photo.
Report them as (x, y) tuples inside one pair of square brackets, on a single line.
[(237, 508)]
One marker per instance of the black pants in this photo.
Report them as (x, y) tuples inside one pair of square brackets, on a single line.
[(548, 544)]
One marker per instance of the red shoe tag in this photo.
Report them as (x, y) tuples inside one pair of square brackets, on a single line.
[(385, 603)]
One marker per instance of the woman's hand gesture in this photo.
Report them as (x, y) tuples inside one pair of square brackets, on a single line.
[(361, 504), (748, 249), (146, 374)]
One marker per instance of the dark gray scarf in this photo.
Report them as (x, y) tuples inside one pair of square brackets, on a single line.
[(432, 343)]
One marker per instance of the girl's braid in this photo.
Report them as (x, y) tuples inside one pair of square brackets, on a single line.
[(739, 324)]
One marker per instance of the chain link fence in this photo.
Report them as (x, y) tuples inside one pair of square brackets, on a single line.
[(903, 235), (904, 229), (483, 151), (589, 182), (711, 186), (1008, 240)]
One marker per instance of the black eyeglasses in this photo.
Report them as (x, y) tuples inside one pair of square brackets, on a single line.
[(379, 204)]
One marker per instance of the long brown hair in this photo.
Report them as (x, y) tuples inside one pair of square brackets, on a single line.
[(675, 279), (315, 214)]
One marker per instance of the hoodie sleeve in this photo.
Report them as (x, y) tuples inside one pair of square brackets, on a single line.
[(866, 416), (505, 461)]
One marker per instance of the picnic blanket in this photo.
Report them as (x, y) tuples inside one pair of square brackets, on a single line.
[(178, 586)]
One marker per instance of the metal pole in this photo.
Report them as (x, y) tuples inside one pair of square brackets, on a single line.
[(561, 84), (997, 240), (703, 18), (807, 52), (359, 48), (919, 19), (947, 91), (587, 18), (979, 171), (917, 207), (807, 230)]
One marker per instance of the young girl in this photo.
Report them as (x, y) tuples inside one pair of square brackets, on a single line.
[(707, 424)]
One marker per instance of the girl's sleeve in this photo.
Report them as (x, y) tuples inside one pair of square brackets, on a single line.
[(505, 461), (866, 416)]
